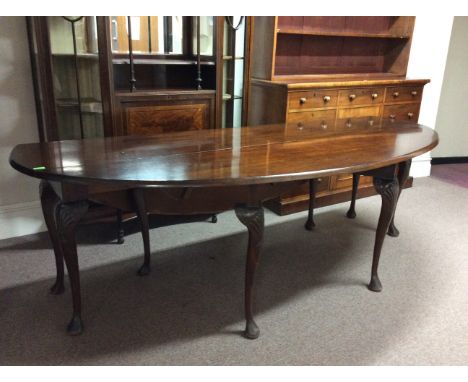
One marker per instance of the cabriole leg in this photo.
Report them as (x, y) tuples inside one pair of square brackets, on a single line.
[(310, 224), (388, 188), (403, 174), (351, 212), (120, 230), (50, 202), (68, 215), (253, 219), (139, 199)]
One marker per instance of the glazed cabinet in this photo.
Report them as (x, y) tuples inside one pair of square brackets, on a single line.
[(116, 75)]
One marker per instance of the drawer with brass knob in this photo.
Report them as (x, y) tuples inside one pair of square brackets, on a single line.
[(360, 96), (403, 94), (402, 112), (348, 123), (313, 99)]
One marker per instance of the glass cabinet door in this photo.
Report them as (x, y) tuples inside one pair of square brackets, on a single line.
[(75, 76), (151, 35), (234, 52)]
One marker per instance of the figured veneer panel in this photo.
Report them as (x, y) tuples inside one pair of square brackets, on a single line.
[(150, 120)]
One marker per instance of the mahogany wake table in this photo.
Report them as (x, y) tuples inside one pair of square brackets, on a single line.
[(210, 171)]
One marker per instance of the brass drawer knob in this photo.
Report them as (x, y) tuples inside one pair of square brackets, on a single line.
[(302, 100), (392, 116), (319, 180), (326, 99), (414, 93), (352, 97), (348, 123), (324, 125), (374, 95), (371, 122), (396, 94), (410, 115)]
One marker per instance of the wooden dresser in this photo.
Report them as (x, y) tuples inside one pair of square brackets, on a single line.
[(334, 71)]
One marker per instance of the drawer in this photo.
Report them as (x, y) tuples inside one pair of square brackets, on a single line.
[(403, 94), (325, 116), (359, 112), (360, 96), (312, 99), (347, 123), (345, 181), (403, 112)]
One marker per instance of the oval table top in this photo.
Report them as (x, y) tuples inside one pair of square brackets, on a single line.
[(231, 156)]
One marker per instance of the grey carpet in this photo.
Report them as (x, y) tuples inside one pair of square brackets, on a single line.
[(313, 307)]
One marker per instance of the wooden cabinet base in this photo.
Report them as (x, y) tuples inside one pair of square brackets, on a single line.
[(286, 206)]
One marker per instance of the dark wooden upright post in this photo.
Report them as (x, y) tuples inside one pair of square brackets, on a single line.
[(132, 80)]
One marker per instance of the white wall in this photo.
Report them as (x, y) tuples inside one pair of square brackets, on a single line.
[(20, 212), (452, 117), (428, 55)]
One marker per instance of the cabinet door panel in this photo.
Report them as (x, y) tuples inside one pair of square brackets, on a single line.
[(154, 119)]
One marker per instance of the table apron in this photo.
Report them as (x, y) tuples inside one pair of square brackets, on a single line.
[(193, 200)]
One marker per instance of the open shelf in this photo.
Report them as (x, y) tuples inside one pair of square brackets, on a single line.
[(341, 34), (301, 78), (336, 55), (356, 26), (230, 58), (88, 105), (88, 56), (159, 61), (229, 97)]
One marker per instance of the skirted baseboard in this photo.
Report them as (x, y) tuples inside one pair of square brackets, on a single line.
[(21, 219), (420, 167)]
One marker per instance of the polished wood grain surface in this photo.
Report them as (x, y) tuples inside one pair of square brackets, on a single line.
[(249, 155)]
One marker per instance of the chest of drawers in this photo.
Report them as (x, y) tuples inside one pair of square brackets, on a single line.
[(330, 104)]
